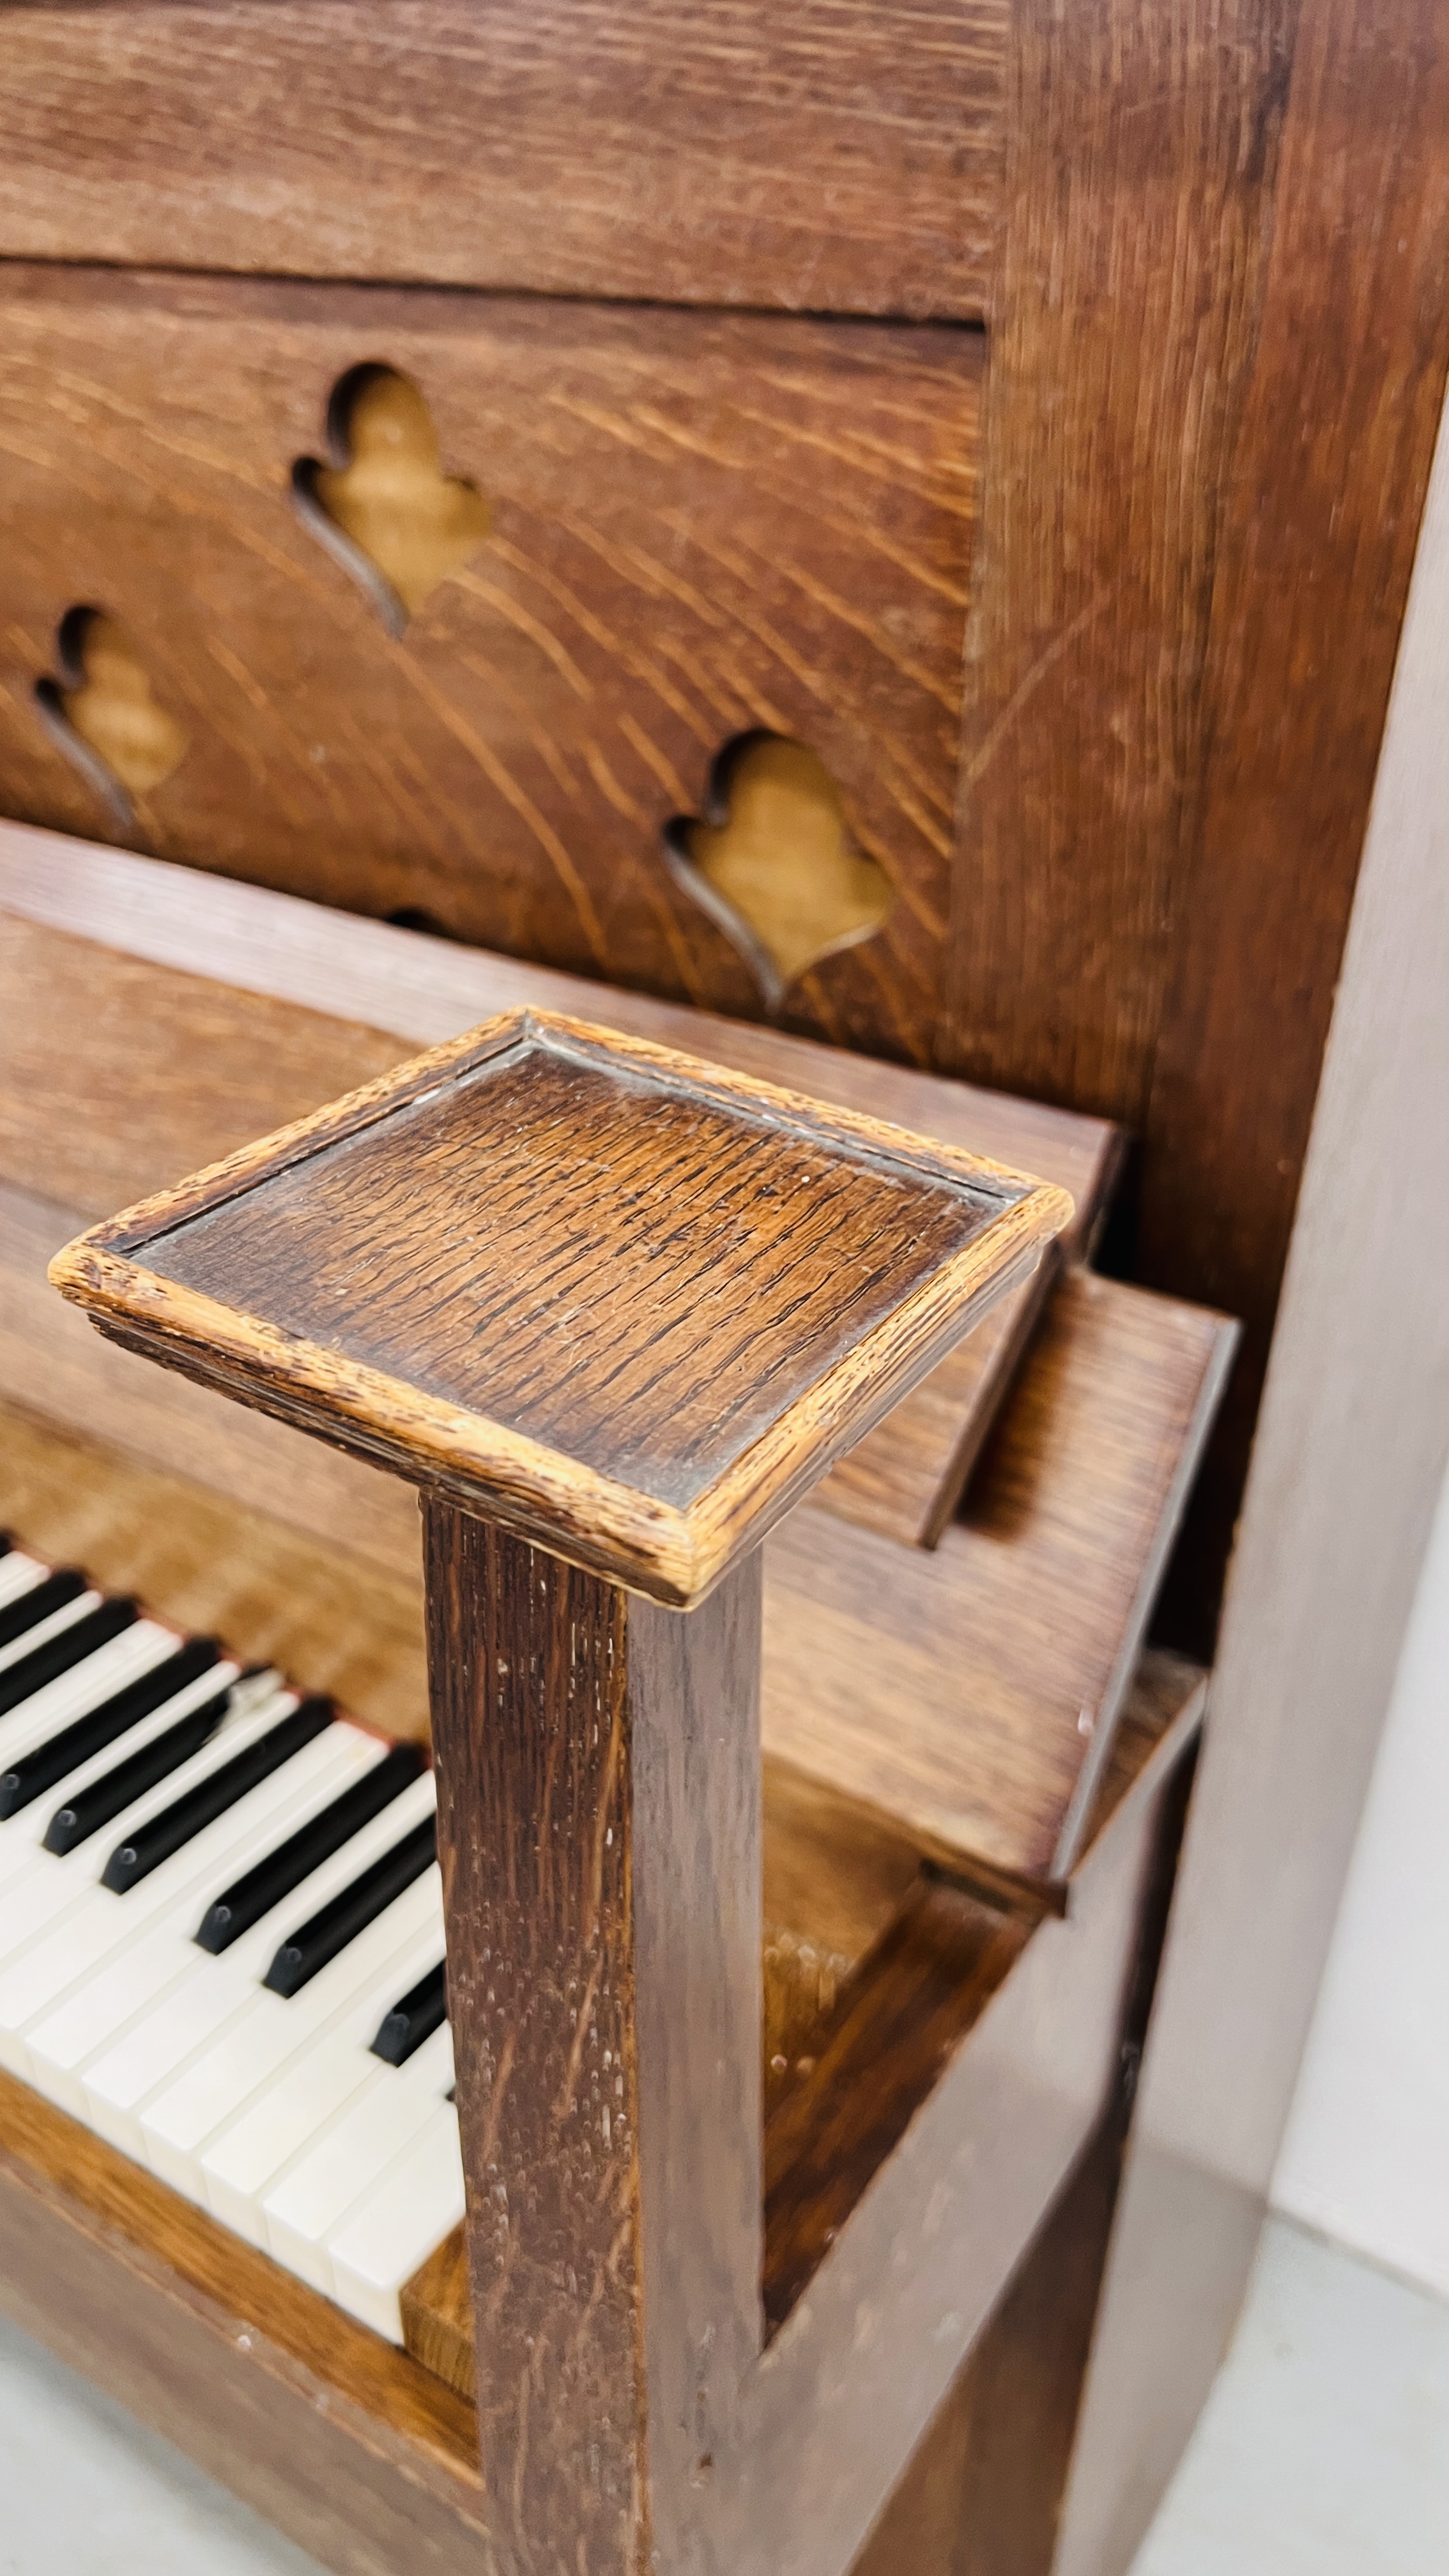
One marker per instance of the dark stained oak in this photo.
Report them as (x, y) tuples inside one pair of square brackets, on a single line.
[(929, 1962), (116, 1072), (983, 2491), (51, 1360), (1131, 185), (701, 524), (709, 153), (971, 1695), (622, 1301), (897, 2026), (338, 1621), (1319, 529), (1206, 453), (115, 1076), (907, 1477), (598, 1776)]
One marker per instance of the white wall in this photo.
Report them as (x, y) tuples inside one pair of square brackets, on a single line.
[(1366, 2154)]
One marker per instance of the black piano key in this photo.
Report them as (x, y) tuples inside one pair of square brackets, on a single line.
[(70, 1746), (414, 2018), (244, 1903), (60, 1653), (42, 1601), (94, 1806), (350, 1912), (163, 1834)]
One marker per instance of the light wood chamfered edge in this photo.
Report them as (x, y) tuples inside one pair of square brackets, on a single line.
[(674, 1556)]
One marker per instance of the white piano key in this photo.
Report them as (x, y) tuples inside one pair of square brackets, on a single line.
[(39, 1885), (19, 1573), (162, 1994), (402, 2220), (190, 1996), (248, 2153), (30, 1825), (97, 1923), (44, 1629), (83, 1688), (307, 2203), (179, 2123)]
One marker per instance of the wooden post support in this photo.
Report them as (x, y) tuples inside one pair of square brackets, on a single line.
[(613, 1311)]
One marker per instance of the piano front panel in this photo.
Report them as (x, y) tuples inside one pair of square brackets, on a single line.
[(686, 529)]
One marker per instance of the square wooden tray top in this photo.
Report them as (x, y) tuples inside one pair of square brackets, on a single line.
[(623, 1302)]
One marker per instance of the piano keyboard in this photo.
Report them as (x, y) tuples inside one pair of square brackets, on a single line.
[(221, 1936)]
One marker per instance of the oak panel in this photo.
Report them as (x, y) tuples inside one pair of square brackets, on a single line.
[(118, 1072), (934, 1960), (702, 524), (373, 974), (971, 1695), (1318, 538), (116, 1076), (720, 153), (1207, 448)]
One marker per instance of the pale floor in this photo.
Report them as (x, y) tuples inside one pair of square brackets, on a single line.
[(1324, 2451)]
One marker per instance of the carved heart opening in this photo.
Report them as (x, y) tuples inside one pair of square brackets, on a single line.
[(383, 507), (774, 862), (101, 712)]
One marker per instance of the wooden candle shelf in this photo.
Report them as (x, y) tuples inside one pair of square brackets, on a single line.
[(612, 1310)]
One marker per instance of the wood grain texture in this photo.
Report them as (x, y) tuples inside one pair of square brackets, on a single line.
[(1170, 740), (896, 2028), (848, 159), (116, 1078), (437, 2317), (854, 1290), (970, 1695), (916, 1995), (599, 1837), (1319, 527), (907, 1477), (1142, 152), (277, 1594), (364, 2459), (880, 2045), (702, 524), (116, 1073), (51, 1360), (844, 2389), (428, 989)]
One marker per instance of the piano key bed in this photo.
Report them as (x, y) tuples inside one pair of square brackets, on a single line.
[(221, 1936)]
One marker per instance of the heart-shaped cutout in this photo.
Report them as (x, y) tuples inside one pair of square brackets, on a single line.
[(383, 507), (774, 862), (102, 712)]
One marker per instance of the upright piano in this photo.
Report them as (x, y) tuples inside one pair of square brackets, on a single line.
[(718, 612)]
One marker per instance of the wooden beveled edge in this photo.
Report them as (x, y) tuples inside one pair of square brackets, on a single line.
[(589, 1519), (1077, 1820)]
